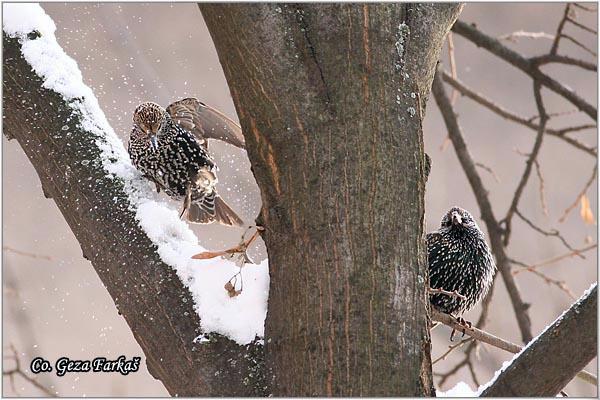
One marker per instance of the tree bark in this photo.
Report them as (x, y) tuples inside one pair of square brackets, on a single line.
[(545, 367), (330, 98), (157, 307)]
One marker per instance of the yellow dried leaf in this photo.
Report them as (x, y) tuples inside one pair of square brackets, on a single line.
[(586, 211)]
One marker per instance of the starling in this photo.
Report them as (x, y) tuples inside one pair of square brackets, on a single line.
[(169, 146), (459, 261)]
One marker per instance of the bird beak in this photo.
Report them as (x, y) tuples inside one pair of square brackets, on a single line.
[(456, 219), (154, 141)]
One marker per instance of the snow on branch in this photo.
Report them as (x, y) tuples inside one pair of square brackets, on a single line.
[(240, 318), (549, 361)]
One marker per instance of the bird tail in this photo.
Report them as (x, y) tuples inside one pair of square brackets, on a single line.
[(212, 208)]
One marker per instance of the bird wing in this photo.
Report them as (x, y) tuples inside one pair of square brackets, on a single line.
[(205, 122), (432, 237)]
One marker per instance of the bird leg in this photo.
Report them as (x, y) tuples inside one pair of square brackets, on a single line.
[(241, 249), (187, 201)]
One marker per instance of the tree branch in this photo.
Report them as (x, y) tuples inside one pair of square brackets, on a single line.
[(546, 365), (494, 46), (529, 165), (509, 115)]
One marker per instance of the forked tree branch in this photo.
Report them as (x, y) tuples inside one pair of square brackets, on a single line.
[(494, 46)]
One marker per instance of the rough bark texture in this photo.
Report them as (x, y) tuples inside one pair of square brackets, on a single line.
[(328, 98), (547, 365), (147, 292)]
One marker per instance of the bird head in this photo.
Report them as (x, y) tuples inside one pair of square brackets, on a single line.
[(457, 217), (149, 117)]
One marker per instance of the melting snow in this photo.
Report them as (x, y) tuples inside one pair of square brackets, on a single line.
[(240, 318)]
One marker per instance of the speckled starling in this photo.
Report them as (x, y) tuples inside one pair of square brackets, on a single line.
[(169, 146), (459, 260)]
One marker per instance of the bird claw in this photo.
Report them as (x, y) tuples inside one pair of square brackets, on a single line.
[(464, 323)]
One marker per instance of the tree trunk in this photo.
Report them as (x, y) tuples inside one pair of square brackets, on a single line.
[(147, 292), (330, 98), (545, 367)]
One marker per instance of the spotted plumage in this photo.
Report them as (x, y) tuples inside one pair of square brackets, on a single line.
[(169, 147), (459, 260)]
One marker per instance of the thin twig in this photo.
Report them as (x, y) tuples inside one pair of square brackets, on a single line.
[(580, 195), (556, 259), (447, 293), (538, 172), (450, 349), (18, 371), (553, 232), (26, 254), (579, 44), (550, 281), (489, 104), (559, 29), (585, 8), (528, 166), (494, 46), (555, 58), (450, 39), (488, 169), (581, 26)]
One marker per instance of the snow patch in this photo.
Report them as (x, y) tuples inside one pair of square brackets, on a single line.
[(461, 389), (240, 318)]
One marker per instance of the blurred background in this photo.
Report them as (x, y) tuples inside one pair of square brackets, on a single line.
[(55, 305)]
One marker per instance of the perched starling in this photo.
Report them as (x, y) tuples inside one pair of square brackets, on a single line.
[(170, 148), (459, 260)]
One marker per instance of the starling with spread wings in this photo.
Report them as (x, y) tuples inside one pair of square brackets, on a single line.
[(169, 146)]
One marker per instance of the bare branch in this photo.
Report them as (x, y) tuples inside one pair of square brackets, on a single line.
[(18, 371), (580, 195), (489, 104), (26, 254), (559, 29), (553, 232), (581, 26), (538, 172), (450, 349), (446, 292), (488, 169), (576, 252), (579, 44), (494, 46), (550, 281), (555, 58), (557, 355), (585, 8), (450, 39), (528, 166)]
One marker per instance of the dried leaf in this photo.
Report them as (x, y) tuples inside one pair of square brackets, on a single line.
[(208, 254), (231, 290), (586, 211)]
